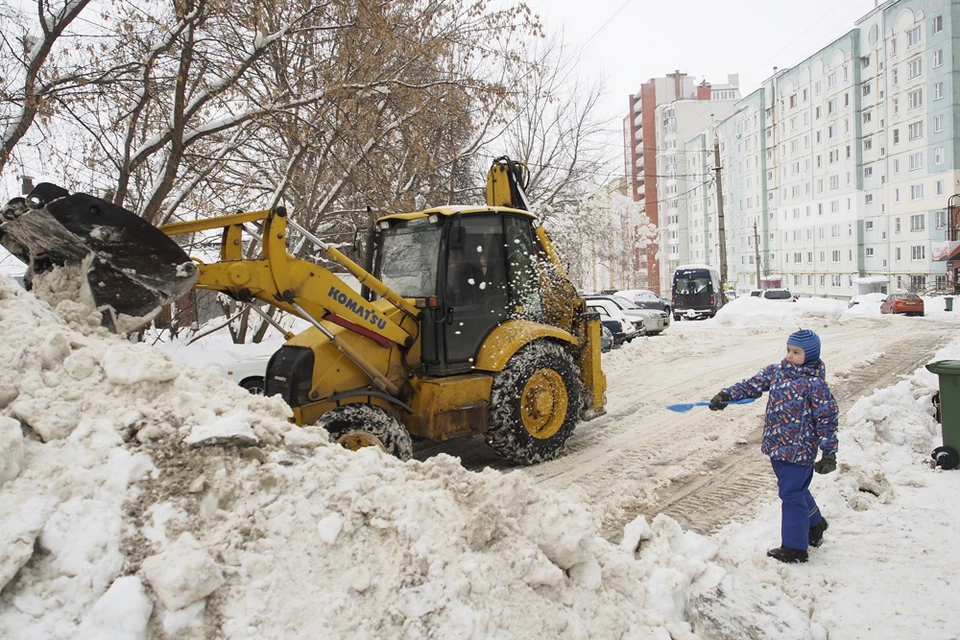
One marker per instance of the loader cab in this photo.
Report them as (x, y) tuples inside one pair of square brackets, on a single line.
[(479, 265)]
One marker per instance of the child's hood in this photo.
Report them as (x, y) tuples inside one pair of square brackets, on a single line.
[(806, 370)]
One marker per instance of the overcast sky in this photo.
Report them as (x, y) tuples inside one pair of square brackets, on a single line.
[(630, 41)]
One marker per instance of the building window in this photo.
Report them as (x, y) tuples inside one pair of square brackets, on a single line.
[(835, 280), (916, 161), (893, 46), (832, 105), (867, 172), (937, 24), (864, 62), (866, 89), (896, 225), (868, 199), (938, 155), (809, 257), (914, 36), (898, 254), (915, 99), (916, 130), (916, 191), (868, 225), (938, 91), (835, 256), (835, 231), (941, 219), (914, 67), (832, 129), (867, 117), (937, 58), (918, 252), (939, 187), (869, 252), (895, 74), (834, 206), (896, 136), (917, 222), (896, 166), (937, 124)]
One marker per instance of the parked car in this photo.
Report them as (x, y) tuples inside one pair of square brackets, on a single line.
[(249, 372), (606, 338), (697, 291), (774, 294), (649, 322), (907, 303), (622, 327), (645, 299)]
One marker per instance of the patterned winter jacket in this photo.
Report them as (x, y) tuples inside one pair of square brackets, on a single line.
[(801, 412)]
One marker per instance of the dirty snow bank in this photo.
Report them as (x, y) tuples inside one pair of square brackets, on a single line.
[(112, 524)]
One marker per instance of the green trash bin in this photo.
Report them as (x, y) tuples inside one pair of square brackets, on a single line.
[(946, 456), (948, 303)]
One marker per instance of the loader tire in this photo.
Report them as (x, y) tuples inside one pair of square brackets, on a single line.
[(355, 426), (535, 404)]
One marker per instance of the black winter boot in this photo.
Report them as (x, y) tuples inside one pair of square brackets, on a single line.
[(786, 554), (816, 532)]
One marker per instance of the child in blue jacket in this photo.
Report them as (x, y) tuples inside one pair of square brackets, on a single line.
[(801, 416)]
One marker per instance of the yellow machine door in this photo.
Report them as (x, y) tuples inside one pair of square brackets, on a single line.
[(474, 289)]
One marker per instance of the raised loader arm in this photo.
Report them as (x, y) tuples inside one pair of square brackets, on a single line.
[(132, 268), (302, 288)]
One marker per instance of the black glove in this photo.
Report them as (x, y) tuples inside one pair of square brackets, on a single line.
[(826, 464), (719, 401)]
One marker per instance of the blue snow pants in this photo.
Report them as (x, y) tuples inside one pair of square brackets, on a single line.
[(798, 510)]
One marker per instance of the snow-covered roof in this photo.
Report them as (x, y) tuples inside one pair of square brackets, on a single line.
[(871, 280)]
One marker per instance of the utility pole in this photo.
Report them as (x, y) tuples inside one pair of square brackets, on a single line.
[(756, 252), (723, 234)]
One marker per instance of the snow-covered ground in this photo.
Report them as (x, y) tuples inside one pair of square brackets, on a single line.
[(142, 498)]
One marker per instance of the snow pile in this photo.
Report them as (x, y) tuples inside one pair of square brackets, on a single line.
[(755, 312), (134, 506), (865, 305)]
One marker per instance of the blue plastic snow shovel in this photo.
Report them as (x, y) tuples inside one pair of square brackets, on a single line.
[(683, 408)]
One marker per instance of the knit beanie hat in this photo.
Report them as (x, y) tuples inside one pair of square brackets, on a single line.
[(808, 341)]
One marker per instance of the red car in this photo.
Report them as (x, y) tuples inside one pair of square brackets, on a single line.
[(908, 303)]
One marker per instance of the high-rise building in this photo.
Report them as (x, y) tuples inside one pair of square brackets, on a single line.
[(837, 171), (664, 111)]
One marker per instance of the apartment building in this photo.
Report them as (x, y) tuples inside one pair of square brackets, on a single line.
[(836, 172), (656, 123)]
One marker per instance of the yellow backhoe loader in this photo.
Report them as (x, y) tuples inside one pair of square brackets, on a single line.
[(467, 324)]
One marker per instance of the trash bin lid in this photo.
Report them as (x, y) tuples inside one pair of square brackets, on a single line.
[(945, 366)]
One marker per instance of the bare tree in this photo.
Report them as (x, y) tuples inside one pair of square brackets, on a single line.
[(32, 75), (557, 131)]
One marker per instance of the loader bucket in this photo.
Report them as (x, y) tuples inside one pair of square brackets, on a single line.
[(132, 268)]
